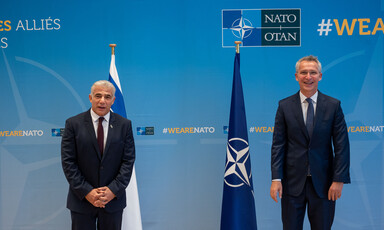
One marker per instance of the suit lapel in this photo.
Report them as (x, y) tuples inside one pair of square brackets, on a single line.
[(298, 113), (320, 110), (111, 132), (91, 130)]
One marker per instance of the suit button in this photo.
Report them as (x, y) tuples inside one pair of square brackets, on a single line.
[(101, 167)]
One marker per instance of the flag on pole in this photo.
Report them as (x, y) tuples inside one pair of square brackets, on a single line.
[(238, 207), (131, 213)]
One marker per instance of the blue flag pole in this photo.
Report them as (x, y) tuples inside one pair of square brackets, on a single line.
[(238, 206)]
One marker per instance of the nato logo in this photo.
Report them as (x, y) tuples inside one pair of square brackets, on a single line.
[(225, 129), (266, 27), (57, 132), (145, 130), (238, 167)]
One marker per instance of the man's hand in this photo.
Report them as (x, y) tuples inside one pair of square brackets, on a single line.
[(276, 188), (93, 197), (106, 195), (334, 191)]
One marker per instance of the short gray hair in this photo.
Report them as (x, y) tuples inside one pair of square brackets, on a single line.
[(104, 83), (309, 58)]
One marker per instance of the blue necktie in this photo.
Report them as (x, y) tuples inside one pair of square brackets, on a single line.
[(310, 117), (309, 124)]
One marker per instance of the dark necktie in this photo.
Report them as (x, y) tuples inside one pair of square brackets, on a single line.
[(310, 116), (100, 135)]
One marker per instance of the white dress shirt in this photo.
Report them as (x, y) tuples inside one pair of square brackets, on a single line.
[(95, 119), (304, 105)]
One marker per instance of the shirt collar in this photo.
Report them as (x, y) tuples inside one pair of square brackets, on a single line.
[(95, 117), (314, 97)]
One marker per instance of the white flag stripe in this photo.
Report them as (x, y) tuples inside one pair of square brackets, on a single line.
[(131, 214), (113, 73)]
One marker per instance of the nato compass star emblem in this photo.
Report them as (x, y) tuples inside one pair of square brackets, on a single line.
[(237, 168), (140, 130), (242, 28)]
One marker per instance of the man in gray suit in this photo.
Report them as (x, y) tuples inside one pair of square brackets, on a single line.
[(310, 152), (98, 153)]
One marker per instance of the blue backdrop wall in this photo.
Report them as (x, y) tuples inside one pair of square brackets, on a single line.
[(176, 73)]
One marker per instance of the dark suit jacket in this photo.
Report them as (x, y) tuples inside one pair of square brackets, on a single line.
[(293, 150), (85, 169)]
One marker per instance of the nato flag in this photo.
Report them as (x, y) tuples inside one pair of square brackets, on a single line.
[(238, 208)]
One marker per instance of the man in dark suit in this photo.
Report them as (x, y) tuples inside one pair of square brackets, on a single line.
[(98, 153), (306, 169)]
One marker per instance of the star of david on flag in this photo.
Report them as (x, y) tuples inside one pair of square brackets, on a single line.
[(238, 207), (131, 213)]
